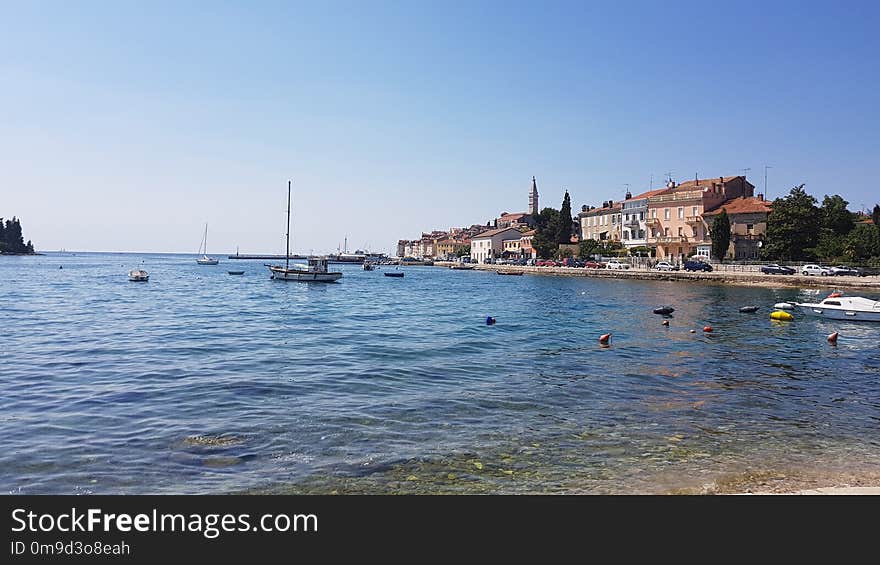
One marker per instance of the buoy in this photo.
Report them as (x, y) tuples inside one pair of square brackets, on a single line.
[(707, 329), (664, 310), (748, 309), (693, 331), (605, 339), (782, 316), (835, 295), (784, 306), (665, 322), (832, 338), (490, 320), (60, 266)]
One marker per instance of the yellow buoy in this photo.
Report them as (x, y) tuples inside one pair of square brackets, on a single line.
[(780, 315)]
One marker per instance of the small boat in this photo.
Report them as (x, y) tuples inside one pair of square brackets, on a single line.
[(203, 249), (315, 271), (235, 272), (838, 307), (664, 310), (462, 267), (138, 275), (748, 309), (394, 274), (369, 266), (509, 272), (785, 305)]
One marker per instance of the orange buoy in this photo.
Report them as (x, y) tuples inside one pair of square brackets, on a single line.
[(707, 329), (832, 338), (605, 339)]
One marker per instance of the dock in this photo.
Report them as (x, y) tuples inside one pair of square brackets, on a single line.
[(266, 257)]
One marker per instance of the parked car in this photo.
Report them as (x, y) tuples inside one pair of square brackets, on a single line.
[(572, 262), (594, 265), (546, 263), (697, 266), (531, 262), (616, 264), (665, 266), (774, 269), (842, 270), (807, 270)]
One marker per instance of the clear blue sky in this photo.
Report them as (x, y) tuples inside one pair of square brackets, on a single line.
[(128, 125)]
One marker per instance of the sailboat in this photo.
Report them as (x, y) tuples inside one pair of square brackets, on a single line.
[(315, 271), (203, 249)]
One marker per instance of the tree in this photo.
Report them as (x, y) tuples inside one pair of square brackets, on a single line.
[(588, 248), (835, 216), (720, 234), (792, 226), (461, 250), (863, 242), (875, 216), (564, 227), (546, 240)]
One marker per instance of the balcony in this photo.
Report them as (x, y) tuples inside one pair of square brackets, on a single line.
[(634, 223), (693, 220), (746, 236), (652, 222), (671, 239)]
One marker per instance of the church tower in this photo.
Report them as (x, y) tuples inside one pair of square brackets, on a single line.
[(533, 199)]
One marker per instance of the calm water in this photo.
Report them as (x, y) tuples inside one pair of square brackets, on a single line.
[(202, 382)]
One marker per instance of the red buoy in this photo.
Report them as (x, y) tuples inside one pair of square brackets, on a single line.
[(832, 338), (707, 329), (605, 339)]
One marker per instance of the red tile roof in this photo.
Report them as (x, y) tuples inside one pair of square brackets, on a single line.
[(742, 205), (492, 233)]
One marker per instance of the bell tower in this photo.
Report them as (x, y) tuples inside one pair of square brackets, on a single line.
[(533, 199)]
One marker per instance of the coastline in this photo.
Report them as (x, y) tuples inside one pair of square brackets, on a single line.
[(794, 482), (871, 283)]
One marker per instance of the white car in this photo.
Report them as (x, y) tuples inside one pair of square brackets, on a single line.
[(616, 264), (665, 266), (815, 270)]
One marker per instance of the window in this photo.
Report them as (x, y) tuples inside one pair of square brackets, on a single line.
[(695, 233), (694, 212), (666, 232), (680, 213), (654, 213), (641, 215), (665, 213), (750, 227)]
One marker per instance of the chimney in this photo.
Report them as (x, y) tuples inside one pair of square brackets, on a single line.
[(628, 195), (610, 203), (584, 208), (760, 197)]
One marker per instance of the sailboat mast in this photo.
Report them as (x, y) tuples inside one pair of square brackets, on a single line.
[(287, 255)]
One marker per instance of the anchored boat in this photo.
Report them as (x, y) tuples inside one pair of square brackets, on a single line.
[(138, 275), (838, 307)]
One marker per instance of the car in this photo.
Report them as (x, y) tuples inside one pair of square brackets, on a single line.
[(531, 262), (546, 263), (774, 269), (594, 265), (571, 262), (665, 266), (808, 270), (616, 264), (697, 266), (842, 270)]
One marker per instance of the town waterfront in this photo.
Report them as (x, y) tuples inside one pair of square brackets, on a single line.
[(199, 382)]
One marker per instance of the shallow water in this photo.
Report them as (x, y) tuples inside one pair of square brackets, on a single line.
[(202, 382)]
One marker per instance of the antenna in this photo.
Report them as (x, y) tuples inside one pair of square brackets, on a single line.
[(652, 181), (746, 171)]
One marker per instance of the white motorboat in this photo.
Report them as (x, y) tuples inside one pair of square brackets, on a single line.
[(838, 307), (138, 275), (203, 249), (315, 271)]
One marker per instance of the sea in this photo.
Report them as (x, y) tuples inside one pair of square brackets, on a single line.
[(208, 383)]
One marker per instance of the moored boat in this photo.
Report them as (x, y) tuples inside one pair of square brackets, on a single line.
[(138, 275), (203, 249), (837, 307), (394, 274)]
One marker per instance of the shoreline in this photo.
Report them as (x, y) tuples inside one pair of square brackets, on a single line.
[(871, 283)]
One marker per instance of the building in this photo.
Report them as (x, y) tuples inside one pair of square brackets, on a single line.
[(534, 210), (675, 216), (490, 244), (518, 220), (511, 248), (601, 224), (401, 247), (634, 212), (748, 224), (445, 248), (525, 245)]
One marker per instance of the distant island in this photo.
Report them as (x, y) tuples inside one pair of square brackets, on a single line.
[(11, 239)]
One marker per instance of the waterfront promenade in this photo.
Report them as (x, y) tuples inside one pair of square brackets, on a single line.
[(748, 278)]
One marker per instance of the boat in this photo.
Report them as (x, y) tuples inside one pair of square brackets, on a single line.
[(235, 272), (369, 266), (785, 305), (138, 275), (316, 269), (509, 272), (838, 307), (748, 309), (664, 310), (203, 249), (394, 274), (462, 267)]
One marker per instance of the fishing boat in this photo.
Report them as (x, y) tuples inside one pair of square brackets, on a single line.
[(138, 275), (203, 250), (316, 269), (838, 307), (394, 274)]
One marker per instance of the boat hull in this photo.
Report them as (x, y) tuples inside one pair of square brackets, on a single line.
[(820, 311), (280, 274), (207, 261)]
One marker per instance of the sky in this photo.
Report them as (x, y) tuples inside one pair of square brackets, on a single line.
[(127, 126)]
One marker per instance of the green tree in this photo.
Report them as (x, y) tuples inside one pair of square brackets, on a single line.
[(564, 225), (2, 236), (835, 216), (720, 235), (831, 246), (546, 240), (863, 242), (875, 216), (588, 248), (461, 250), (792, 227)]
